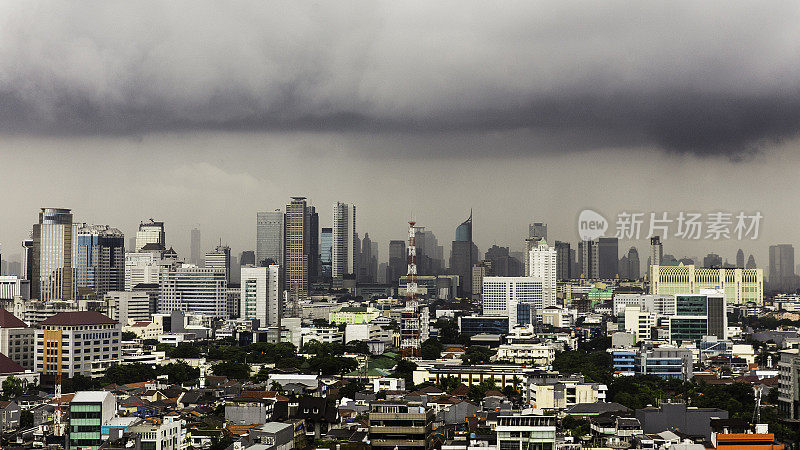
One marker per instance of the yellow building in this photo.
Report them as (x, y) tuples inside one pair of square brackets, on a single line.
[(740, 285)]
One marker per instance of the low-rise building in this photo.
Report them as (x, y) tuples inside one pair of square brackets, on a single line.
[(400, 426), (16, 340), (530, 354), (84, 343), (521, 432)]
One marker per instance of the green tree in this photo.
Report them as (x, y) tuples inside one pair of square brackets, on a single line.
[(236, 371), (477, 354), (13, 387), (431, 349), (129, 336), (25, 419)]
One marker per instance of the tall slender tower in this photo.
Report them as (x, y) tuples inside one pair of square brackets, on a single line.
[(296, 248), (54, 255), (410, 332), (343, 251)]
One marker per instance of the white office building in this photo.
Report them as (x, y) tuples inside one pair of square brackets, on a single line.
[(261, 296), (193, 289), (518, 298), (141, 268), (79, 342), (343, 259), (542, 264), (12, 286), (150, 232), (129, 307)]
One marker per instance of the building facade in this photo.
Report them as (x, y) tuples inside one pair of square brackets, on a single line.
[(150, 232), (269, 236), (518, 298), (738, 285), (80, 342), (55, 249), (193, 289), (100, 264), (544, 265), (344, 243), (261, 295)]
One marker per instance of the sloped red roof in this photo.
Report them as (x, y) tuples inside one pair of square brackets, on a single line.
[(8, 320), (78, 318), (9, 366)]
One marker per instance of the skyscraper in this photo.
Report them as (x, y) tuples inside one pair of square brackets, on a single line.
[(712, 260), (54, 252), (26, 271), (588, 259), (537, 230), (633, 265), (247, 258), (220, 258), (193, 289), (544, 265), (269, 236), (195, 253), (608, 257), (367, 261), (261, 295), (343, 251), (751, 263), (398, 261), (313, 243), (297, 245), (781, 267), (326, 252), (463, 255), (656, 251), (563, 261), (150, 232), (100, 263), (740, 259)]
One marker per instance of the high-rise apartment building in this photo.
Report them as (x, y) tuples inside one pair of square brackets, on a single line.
[(193, 289), (55, 247), (344, 257), (543, 265), (100, 264), (150, 232), (261, 295), (195, 250), (220, 258), (326, 253), (608, 257), (781, 267), (297, 248), (269, 237)]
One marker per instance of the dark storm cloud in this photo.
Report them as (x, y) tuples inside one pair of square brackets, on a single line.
[(710, 78)]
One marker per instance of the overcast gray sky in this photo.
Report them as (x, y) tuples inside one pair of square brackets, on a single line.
[(205, 112)]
